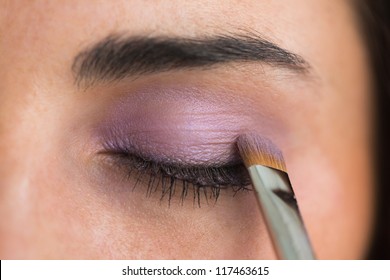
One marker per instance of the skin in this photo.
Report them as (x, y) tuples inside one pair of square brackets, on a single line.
[(59, 198)]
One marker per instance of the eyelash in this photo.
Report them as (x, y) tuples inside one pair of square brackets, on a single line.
[(204, 181)]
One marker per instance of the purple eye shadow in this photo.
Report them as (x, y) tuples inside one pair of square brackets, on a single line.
[(185, 125)]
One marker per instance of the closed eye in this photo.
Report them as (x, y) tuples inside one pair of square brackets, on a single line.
[(169, 178)]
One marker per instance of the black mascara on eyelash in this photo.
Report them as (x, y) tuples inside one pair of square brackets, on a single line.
[(203, 181)]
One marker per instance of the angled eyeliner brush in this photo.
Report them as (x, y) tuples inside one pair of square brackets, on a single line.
[(275, 196)]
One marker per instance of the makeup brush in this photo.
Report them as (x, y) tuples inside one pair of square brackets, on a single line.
[(275, 196)]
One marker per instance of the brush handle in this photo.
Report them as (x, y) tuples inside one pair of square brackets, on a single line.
[(280, 211)]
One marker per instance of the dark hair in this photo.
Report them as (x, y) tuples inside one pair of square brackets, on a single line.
[(375, 19)]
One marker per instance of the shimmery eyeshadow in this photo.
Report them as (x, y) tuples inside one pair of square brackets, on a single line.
[(181, 124)]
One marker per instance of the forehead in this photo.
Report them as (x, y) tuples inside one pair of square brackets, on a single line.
[(277, 20), (324, 32)]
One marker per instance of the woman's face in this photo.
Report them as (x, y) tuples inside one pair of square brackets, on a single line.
[(176, 83)]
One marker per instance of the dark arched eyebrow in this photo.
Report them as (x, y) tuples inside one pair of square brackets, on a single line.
[(117, 57)]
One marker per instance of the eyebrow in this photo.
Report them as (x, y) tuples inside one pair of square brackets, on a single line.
[(117, 57)]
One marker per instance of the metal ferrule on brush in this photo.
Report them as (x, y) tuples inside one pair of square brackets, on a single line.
[(280, 211)]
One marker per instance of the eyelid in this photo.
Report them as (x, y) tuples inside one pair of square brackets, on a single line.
[(201, 154), (233, 174), (184, 123), (206, 181)]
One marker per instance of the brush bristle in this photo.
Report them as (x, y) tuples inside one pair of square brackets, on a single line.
[(256, 150)]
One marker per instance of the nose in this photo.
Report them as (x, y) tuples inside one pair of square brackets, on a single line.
[(21, 155), (17, 221)]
